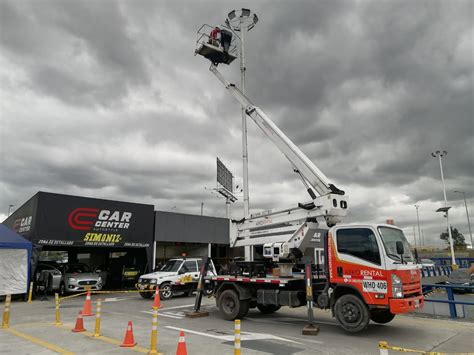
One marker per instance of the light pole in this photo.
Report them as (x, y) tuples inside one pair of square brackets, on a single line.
[(9, 209), (441, 154), (467, 214), (418, 220), (242, 22)]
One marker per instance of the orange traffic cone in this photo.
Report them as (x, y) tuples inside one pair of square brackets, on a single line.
[(79, 324), (156, 301), (181, 350), (128, 340), (87, 309)]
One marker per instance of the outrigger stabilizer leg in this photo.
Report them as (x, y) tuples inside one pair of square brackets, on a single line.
[(309, 329), (197, 313)]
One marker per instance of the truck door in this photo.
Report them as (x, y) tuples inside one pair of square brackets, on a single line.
[(357, 262)]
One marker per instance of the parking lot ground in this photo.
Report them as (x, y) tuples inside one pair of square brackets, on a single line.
[(278, 333)]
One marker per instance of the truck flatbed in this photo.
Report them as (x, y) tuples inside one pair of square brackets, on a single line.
[(269, 279)]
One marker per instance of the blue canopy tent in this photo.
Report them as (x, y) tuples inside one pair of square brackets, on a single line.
[(15, 266)]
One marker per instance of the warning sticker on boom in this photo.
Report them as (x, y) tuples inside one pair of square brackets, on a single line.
[(374, 286)]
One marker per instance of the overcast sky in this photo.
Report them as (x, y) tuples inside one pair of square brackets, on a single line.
[(105, 99)]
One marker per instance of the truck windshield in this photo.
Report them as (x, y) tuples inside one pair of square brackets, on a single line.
[(171, 266), (390, 236)]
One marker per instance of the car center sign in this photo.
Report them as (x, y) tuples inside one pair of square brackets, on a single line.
[(63, 220)]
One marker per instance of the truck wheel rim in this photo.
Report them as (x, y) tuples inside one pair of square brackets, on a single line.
[(229, 305), (350, 312)]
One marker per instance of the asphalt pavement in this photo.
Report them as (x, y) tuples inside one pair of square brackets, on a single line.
[(32, 330)]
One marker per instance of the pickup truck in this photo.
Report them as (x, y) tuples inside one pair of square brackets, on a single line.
[(177, 275)]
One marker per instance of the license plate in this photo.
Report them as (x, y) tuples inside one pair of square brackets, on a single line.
[(417, 303), (374, 286), (142, 287)]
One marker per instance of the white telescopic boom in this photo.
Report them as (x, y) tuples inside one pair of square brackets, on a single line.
[(314, 177)]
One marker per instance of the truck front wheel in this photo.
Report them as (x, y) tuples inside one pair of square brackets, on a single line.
[(231, 307), (351, 313), (381, 316), (268, 308)]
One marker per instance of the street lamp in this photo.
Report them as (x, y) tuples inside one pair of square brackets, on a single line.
[(441, 154), (243, 21), (418, 219), (467, 214)]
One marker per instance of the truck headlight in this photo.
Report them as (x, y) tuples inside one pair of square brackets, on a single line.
[(153, 281), (397, 287), (72, 279), (140, 280)]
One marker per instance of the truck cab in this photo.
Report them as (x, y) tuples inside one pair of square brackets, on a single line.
[(174, 271), (364, 261)]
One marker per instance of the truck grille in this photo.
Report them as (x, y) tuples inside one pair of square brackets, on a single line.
[(411, 289), (88, 282)]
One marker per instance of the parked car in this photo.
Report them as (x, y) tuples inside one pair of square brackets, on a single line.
[(71, 277), (54, 273), (461, 277), (78, 277), (177, 275), (427, 263)]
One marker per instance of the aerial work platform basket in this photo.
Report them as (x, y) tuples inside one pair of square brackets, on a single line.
[(216, 44)]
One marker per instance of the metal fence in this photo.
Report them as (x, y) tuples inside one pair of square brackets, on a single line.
[(451, 301)]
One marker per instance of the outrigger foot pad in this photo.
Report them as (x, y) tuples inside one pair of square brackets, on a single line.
[(310, 330), (198, 314)]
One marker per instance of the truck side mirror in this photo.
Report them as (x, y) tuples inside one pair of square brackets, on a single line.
[(400, 248)]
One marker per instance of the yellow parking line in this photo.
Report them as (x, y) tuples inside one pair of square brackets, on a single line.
[(39, 342), (106, 339)]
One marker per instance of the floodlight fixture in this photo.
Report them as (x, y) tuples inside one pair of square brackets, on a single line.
[(231, 15), (440, 153), (241, 19)]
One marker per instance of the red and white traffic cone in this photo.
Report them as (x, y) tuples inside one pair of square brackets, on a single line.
[(156, 301), (87, 308), (128, 340), (79, 327), (181, 350)]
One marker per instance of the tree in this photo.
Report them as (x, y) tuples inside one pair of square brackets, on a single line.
[(458, 238)]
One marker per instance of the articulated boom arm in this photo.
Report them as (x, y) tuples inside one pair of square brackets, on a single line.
[(283, 231), (297, 158)]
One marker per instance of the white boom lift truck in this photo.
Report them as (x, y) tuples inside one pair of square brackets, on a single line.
[(369, 271)]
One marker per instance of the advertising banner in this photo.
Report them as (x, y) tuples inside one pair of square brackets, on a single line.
[(64, 220)]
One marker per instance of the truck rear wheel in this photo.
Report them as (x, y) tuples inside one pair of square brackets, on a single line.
[(231, 307), (351, 313), (381, 316), (268, 308)]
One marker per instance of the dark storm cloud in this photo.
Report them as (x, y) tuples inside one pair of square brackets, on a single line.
[(107, 100), (54, 39)]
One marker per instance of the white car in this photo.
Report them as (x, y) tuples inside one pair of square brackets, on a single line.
[(427, 263), (183, 272)]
